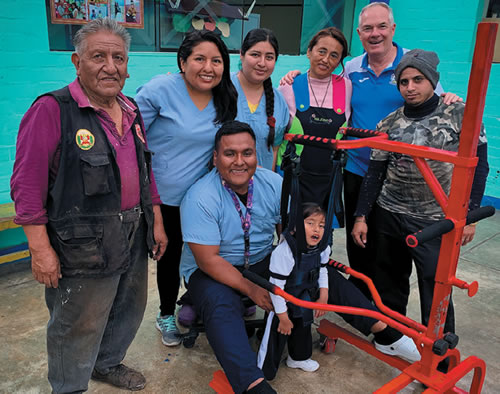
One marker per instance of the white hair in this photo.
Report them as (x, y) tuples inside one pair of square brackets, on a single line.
[(97, 25), (377, 3)]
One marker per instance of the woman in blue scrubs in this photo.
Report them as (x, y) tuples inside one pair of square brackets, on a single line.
[(182, 113), (259, 104)]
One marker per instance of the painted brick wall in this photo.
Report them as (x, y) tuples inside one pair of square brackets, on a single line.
[(28, 68)]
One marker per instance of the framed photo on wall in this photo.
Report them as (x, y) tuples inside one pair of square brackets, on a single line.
[(129, 13)]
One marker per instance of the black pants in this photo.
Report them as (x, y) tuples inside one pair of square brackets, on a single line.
[(393, 263), (360, 259), (167, 275)]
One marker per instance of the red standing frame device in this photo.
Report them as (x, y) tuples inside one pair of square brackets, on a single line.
[(433, 344)]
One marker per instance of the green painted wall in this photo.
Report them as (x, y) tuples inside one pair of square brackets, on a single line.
[(28, 68)]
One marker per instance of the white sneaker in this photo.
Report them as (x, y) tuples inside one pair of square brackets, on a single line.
[(404, 347), (305, 365)]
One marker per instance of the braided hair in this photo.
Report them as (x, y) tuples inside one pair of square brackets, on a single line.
[(254, 37)]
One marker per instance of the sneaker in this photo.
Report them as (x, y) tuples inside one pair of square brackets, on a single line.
[(123, 377), (170, 335), (404, 347), (250, 311), (305, 365), (186, 315)]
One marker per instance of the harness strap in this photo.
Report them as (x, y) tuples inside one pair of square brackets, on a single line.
[(279, 276)]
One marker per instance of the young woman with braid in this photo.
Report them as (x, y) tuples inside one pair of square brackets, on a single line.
[(259, 104)]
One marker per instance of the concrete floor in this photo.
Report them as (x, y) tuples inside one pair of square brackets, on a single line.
[(23, 318)]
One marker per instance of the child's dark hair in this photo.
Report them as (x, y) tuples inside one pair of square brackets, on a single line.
[(254, 37), (224, 94), (311, 208)]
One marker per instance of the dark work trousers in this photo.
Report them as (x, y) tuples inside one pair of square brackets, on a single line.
[(221, 309), (393, 263), (360, 259), (340, 292), (167, 272), (94, 320)]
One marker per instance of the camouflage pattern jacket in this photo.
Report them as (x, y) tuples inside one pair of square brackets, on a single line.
[(404, 189)]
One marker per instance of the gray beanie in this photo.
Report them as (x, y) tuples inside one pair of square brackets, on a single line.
[(424, 61)]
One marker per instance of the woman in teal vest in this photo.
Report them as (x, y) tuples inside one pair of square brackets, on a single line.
[(319, 103)]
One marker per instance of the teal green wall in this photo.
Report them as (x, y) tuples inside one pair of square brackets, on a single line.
[(28, 68)]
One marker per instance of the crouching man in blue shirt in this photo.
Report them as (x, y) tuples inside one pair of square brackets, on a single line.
[(228, 219)]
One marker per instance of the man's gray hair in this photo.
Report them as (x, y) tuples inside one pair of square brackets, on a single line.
[(380, 3), (97, 25)]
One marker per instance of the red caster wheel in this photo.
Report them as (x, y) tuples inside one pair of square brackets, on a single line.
[(327, 344)]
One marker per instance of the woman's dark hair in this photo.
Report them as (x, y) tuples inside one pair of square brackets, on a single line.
[(224, 94), (311, 208), (337, 35), (254, 37), (232, 127)]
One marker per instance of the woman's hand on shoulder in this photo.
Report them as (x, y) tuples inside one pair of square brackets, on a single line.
[(289, 77)]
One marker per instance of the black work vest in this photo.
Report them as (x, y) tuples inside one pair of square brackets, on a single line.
[(84, 199)]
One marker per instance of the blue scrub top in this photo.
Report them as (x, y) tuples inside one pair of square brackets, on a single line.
[(209, 217), (258, 121), (179, 134)]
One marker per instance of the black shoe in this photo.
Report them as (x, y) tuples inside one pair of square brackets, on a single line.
[(123, 377)]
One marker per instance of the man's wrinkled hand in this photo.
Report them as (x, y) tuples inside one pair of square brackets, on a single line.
[(46, 267), (450, 98), (161, 242)]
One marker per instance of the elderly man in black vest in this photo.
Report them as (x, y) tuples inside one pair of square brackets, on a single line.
[(86, 198)]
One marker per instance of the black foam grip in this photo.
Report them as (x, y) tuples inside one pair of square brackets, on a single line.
[(259, 280), (446, 225), (480, 214), (434, 230)]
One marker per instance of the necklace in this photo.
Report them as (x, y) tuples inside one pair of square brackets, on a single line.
[(314, 95)]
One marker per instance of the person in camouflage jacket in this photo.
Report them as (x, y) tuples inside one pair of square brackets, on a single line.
[(401, 200)]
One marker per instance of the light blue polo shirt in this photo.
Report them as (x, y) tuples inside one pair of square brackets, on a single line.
[(209, 217), (373, 98), (179, 134), (258, 121)]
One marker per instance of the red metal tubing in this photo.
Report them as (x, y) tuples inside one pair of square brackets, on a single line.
[(411, 332), (432, 182), (380, 305)]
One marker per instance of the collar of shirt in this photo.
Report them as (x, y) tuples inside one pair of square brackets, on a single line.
[(126, 105), (82, 100), (399, 55)]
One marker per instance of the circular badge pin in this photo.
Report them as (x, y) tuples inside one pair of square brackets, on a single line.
[(85, 139)]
